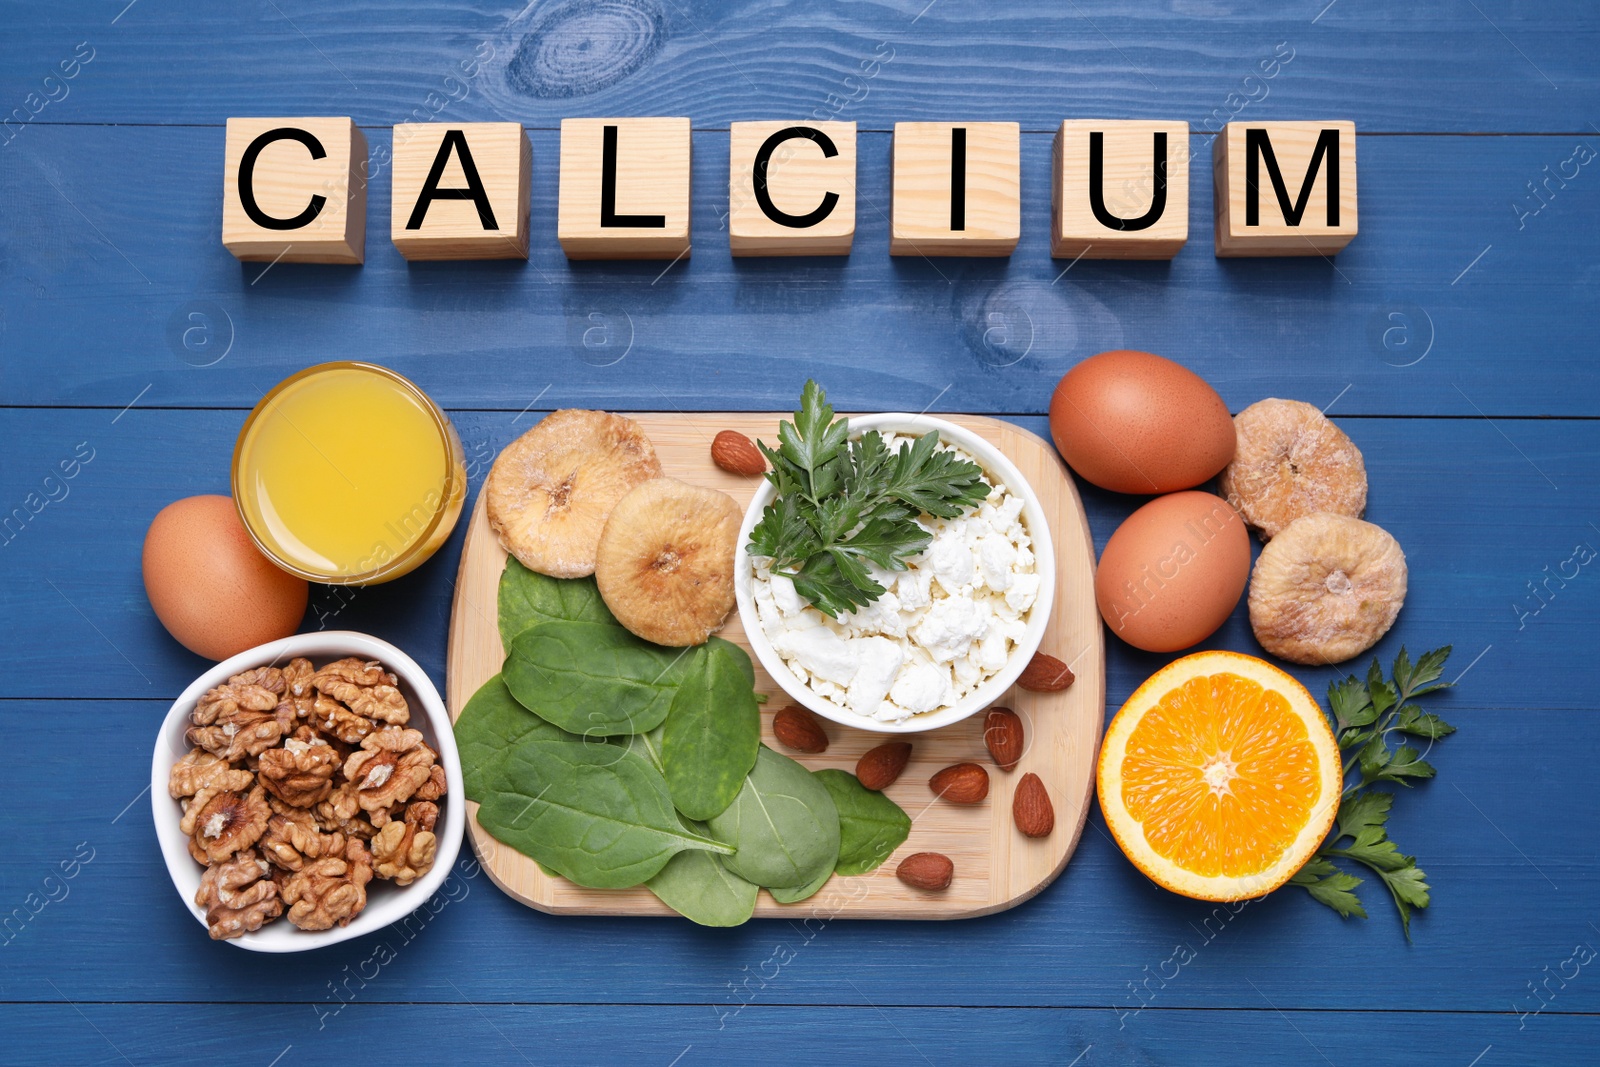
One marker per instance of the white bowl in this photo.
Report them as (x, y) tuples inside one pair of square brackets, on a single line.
[(386, 902), (997, 466)]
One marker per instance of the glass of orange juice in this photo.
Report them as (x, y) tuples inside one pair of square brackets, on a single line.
[(346, 473)]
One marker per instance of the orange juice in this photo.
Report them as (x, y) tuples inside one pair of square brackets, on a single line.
[(347, 473)]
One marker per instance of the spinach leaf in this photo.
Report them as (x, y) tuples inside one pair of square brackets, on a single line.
[(795, 894), (709, 740), (596, 813), (699, 886), (782, 824), (871, 826), (592, 679), (740, 656), (647, 744), (528, 598), (490, 726)]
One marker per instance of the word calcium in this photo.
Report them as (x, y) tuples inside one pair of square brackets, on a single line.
[(294, 189)]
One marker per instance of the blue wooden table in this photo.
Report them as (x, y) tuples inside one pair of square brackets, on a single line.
[(1454, 340)]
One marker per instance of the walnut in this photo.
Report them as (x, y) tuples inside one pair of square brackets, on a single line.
[(329, 891), (365, 688), (434, 787), (242, 693), (390, 767), (223, 821), (297, 688), (404, 851), (241, 718), (237, 896), (330, 715), (342, 812), (233, 742), (201, 769), (199, 854), (301, 772), (292, 840), (269, 678)]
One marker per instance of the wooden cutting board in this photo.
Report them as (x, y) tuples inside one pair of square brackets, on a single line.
[(996, 867)]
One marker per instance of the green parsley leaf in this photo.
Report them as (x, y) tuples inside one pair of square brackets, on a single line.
[(1331, 886), (843, 504), (1383, 694), (1409, 887), (1361, 812), (1351, 704), (1415, 723), (1403, 765), (1365, 713)]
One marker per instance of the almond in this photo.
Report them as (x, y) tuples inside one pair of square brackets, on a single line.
[(737, 454), (1002, 733), (1031, 809), (798, 729), (1045, 674), (926, 870), (879, 767), (961, 783)]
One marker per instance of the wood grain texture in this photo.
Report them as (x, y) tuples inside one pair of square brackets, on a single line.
[(648, 215), (1512, 336), (453, 228), (1421, 66), (1327, 223), (322, 180), (922, 219), (761, 1033), (1128, 187), (799, 177), (114, 289), (996, 868)]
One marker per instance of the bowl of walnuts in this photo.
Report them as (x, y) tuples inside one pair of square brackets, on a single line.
[(308, 791)]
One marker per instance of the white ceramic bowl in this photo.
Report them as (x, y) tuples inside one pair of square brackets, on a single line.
[(386, 902), (997, 466)]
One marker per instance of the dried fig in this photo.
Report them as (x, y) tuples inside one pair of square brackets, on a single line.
[(1326, 588), (665, 561), (551, 490), (1291, 461)]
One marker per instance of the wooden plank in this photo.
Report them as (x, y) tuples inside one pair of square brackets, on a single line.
[(1419, 66), (996, 867), (1412, 318), (439, 1032), (1465, 497), (1091, 938)]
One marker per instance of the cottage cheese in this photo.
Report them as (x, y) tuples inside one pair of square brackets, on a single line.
[(943, 627)]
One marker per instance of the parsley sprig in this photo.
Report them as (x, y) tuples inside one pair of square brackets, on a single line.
[(842, 504), (1366, 714)]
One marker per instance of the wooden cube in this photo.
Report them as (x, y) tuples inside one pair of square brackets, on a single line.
[(1284, 188), (791, 188), (957, 189), (460, 192), (295, 190), (624, 188), (1119, 189)]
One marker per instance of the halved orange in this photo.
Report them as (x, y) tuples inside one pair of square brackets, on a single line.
[(1220, 776)]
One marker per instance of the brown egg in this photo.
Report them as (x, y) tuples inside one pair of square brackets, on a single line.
[(210, 586), (1173, 572), (1133, 422)]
